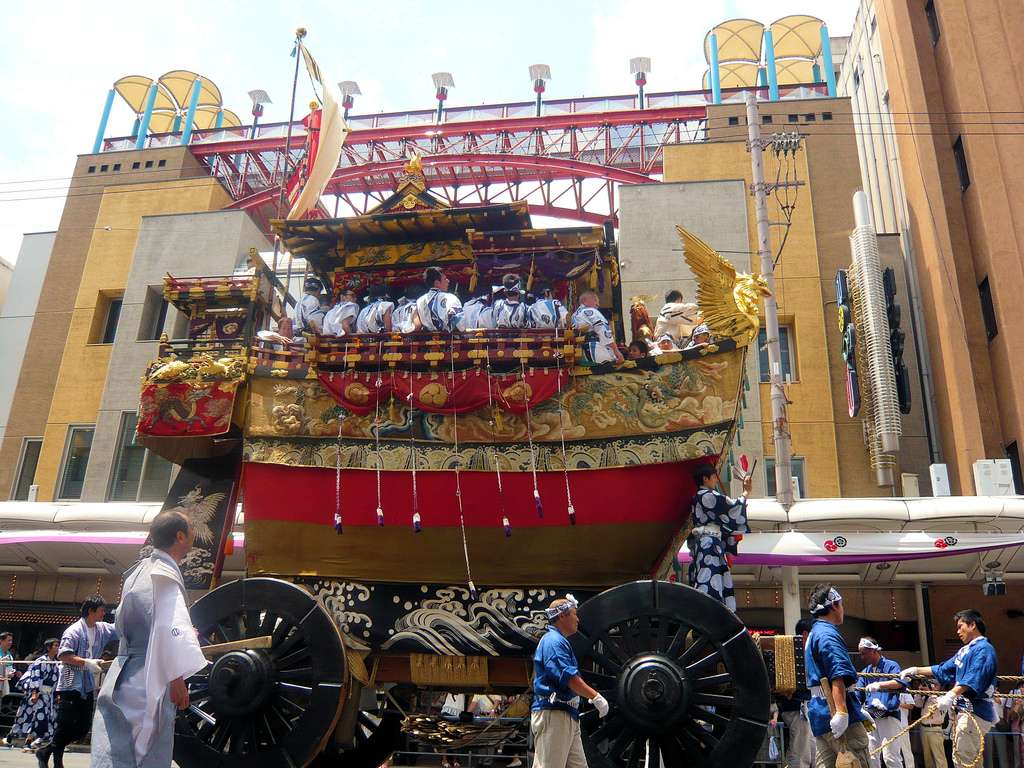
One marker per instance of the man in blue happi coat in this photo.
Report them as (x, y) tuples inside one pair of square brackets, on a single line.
[(81, 646), (883, 702), (717, 521), (972, 673), (828, 664), (557, 689)]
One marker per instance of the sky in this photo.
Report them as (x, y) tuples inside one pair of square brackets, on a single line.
[(59, 59)]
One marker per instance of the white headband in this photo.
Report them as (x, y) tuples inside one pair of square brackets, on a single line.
[(554, 612), (868, 643), (830, 598)]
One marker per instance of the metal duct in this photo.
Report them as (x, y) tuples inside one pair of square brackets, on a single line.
[(878, 383)]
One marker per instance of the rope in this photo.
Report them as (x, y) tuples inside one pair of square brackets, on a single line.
[(561, 435), (376, 433), (458, 489), (529, 428), (494, 438), (925, 714)]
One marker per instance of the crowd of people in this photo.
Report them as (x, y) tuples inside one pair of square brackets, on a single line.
[(432, 306)]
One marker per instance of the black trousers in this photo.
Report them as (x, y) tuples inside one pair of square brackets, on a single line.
[(74, 719)]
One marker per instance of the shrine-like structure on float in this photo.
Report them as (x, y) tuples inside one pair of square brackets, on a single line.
[(413, 502)]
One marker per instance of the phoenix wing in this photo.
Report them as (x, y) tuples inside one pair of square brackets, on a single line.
[(716, 281)]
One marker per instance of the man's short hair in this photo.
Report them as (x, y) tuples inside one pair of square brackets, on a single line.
[(512, 283), (804, 625), (377, 291), (702, 472), (51, 642), (313, 285), (540, 288), (819, 596), (971, 616), (431, 275), (673, 296), (413, 292), (92, 603), (5, 635), (165, 528), (587, 293)]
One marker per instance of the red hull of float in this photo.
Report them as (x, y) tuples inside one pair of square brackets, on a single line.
[(626, 517)]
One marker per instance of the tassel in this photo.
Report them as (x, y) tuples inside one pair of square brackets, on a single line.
[(536, 500), (416, 527), (572, 515), (472, 590), (380, 517), (391, 406), (337, 523), (508, 527), (497, 419)]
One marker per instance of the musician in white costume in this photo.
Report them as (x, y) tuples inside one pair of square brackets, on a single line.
[(134, 722), (677, 319)]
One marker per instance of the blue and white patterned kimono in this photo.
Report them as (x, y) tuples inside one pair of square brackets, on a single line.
[(37, 720), (547, 313), (475, 315), (439, 310), (371, 317), (338, 314), (716, 518), (509, 314), (403, 317), (599, 339)]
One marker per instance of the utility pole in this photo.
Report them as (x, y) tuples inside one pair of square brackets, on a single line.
[(780, 421)]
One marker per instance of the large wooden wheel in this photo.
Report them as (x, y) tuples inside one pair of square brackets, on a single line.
[(257, 708), (376, 736), (686, 683)]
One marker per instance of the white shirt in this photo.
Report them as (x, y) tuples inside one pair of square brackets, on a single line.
[(338, 314)]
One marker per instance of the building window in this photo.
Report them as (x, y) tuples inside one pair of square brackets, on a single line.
[(826, 116), (149, 163), (161, 164), (785, 353), (117, 166), (794, 118), (988, 312), (810, 118), (154, 315), (76, 461), (135, 166), (110, 321), (139, 474), (766, 119), (961, 164), (797, 463), (92, 169), (26, 476), (933, 21), (734, 121)]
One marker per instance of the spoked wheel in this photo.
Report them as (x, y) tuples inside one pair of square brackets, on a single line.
[(686, 683), (377, 736), (255, 708)]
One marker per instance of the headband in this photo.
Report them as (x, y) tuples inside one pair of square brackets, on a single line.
[(866, 642), (830, 598), (556, 611), (702, 328)]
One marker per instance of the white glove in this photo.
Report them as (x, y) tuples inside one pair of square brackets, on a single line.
[(908, 673), (601, 703), (874, 687), (93, 666), (945, 702), (867, 715), (839, 723), (876, 703)]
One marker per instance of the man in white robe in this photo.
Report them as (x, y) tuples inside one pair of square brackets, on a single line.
[(134, 722)]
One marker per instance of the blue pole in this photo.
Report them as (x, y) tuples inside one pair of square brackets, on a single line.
[(98, 144), (826, 54), (186, 135), (769, 63), (762, 77), (144, 128), (220, 119), (716, 86), (135, 127)]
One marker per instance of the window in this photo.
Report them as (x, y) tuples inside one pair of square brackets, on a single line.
[(104, 168), (136, 166), (117, 166), (988, 312), (826, 116), (161, 164), (76, 461), (92, 169), (734, 121), (154, 315), (139, 474), (30, 449), (766, 119), (785, 353), (809, 118), (149, 163), (110, 322), (933, 21), (797, 464), (961, 164), (794, 118)]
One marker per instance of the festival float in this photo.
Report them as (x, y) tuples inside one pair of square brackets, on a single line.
[(413, 503)]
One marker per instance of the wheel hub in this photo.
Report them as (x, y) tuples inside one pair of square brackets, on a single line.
[(242, 682), (654, 693)]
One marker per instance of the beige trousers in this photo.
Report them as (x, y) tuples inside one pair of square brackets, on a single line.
[(933, 744), (827, 748), (968, 734), (556, 740)]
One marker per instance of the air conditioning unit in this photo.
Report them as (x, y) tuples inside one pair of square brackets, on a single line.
[(940, 480), (911, 485), (1004, 478), (985, 478)]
